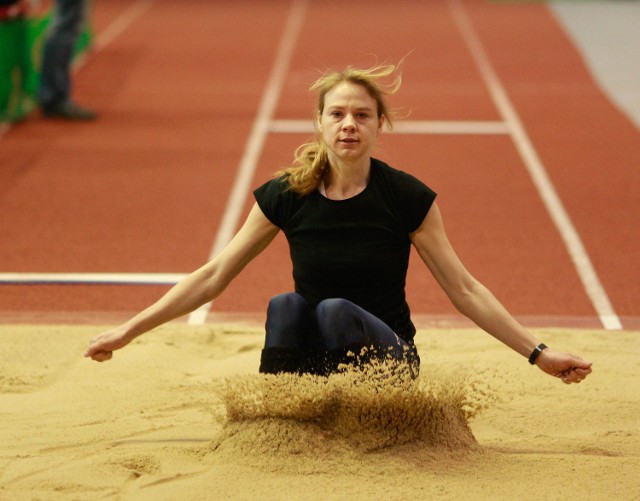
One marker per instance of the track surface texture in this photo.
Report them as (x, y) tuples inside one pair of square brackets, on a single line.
[(536, 167)]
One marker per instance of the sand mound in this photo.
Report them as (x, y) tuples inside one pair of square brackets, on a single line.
[(354, 412)]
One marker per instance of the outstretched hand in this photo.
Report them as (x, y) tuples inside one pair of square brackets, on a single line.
[(102, 346), (569, 368)]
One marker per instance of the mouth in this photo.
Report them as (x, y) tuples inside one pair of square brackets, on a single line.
[(348, 140)]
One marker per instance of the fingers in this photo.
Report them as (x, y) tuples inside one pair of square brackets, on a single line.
[(101, 347), (101, 356), (581, 364), (565, 366), (96, 351), (575, 375)]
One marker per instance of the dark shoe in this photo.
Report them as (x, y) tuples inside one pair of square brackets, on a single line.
[(69, 111)]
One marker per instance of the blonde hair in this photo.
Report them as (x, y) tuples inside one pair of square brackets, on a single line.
[(311, 159)]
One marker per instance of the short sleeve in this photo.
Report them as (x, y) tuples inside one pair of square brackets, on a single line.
[(276, 201), (419, 208), (414, 201)]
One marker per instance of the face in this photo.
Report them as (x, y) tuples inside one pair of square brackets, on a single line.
[(349, 123)]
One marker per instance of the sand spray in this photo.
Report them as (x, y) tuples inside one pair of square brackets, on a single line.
[(358, 410)]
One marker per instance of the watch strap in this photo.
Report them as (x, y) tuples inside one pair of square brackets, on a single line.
[(536, 353)]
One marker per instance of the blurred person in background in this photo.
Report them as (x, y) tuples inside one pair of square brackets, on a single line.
[(54, 94)]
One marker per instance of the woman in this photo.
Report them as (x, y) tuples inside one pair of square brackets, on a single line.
[(350, 221)]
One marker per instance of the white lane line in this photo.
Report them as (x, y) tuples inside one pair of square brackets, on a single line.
[(255, 143), (404, 127), (111, 32), (91, 278), (538, 173), (121, 23)]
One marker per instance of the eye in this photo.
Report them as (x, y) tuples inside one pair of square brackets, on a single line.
[(336, 114), (363, 115)]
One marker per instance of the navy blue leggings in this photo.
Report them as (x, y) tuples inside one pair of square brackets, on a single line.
[(333, 325)]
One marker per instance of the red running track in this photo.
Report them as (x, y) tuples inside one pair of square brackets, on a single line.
[(188, 94)]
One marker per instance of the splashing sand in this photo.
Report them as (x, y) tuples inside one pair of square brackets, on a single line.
[(357, 410)]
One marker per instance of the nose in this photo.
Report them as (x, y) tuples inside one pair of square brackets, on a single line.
[(348, 124)]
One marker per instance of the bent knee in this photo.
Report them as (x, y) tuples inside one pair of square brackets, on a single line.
[(287, 301), (334, 307)]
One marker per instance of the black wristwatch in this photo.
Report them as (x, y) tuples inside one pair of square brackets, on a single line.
[(536, 353)]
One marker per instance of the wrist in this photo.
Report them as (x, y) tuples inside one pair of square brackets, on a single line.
[(536, 353), (129, 331)]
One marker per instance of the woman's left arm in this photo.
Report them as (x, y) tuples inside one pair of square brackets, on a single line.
[(476, 302)]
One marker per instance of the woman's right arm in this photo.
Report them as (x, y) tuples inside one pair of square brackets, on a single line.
[(198, 288)]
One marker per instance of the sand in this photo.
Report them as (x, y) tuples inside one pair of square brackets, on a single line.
[(182, 414)]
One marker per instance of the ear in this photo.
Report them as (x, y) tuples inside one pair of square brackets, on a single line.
[(319, 121), (380, 123)]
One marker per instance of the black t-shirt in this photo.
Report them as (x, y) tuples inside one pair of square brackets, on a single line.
[(357, 249)]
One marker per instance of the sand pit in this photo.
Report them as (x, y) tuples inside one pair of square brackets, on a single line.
[(183, 414)]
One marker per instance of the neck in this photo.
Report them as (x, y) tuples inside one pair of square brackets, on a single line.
[(346, 180)]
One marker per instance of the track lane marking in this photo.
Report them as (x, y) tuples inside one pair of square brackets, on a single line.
[(121, 23), (256, 140), (91, 278), (573, 243)]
